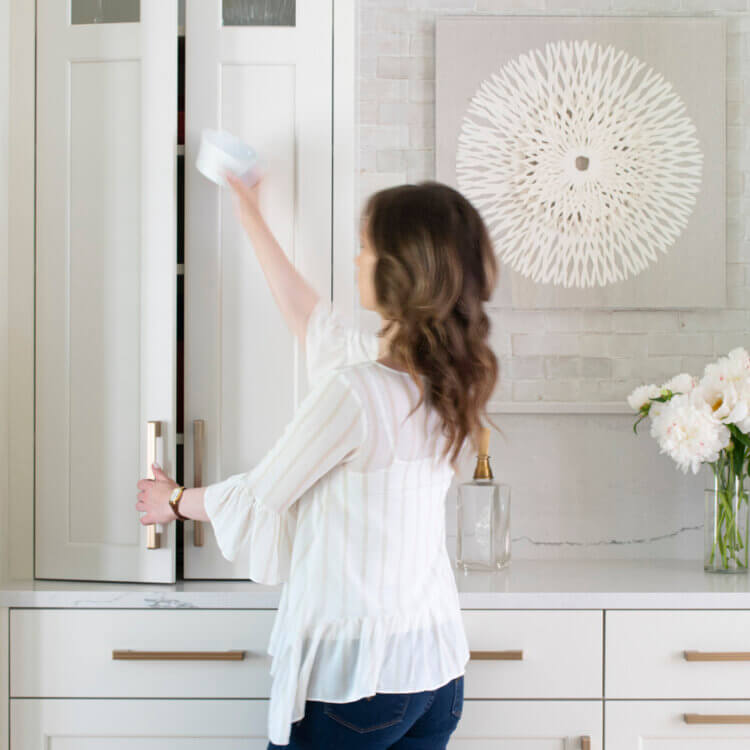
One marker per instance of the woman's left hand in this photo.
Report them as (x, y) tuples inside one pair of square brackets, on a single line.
[(154, 498)]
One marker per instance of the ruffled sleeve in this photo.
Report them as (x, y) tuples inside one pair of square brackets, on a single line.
[(257, 509), (331, 343)]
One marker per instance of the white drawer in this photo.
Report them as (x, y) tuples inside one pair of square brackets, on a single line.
[(69, 653), (662, 725), (529, 725), (645, 654), (561, 650)]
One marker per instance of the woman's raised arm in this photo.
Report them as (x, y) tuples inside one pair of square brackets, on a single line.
[(294, 296)]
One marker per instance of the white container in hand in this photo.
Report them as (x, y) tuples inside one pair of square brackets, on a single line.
[(222, 152)]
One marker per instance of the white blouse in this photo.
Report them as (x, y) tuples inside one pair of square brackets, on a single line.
[(348, 509)]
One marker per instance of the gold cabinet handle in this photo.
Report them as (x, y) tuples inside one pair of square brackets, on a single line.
[(153, 538), (585, 742), (198, 434), (717, 655), (129, 654), (717, 718), (497, 655)]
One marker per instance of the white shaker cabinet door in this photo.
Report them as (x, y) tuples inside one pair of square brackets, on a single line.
[(104, 724), (106, 126), (270, 85)]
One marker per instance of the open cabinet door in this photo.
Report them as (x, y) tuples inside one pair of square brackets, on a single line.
[(106, 121), (267, 80)]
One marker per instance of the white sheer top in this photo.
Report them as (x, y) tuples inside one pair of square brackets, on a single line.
[(348, 510)]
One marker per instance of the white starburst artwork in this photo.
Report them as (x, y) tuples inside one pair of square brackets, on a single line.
[(583, 162)]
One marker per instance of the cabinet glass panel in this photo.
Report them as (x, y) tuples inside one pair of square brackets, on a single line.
[(105, 11), (259, 12)]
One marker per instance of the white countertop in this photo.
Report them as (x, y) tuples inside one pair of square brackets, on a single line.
[(526, 584)]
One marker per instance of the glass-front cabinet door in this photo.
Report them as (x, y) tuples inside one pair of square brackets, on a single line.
[(106, 120)]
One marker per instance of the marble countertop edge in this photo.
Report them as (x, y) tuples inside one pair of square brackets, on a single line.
[(525, 584)]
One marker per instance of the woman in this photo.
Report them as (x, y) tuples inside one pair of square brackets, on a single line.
[(347, 507)]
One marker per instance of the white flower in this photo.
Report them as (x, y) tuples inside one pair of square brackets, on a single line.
[(641, 395), (688, 432), (725, 387), (682, 383)]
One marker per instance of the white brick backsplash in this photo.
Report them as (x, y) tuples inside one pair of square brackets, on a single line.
[(725, 342), (736, 274), (634, 321), (422, 90), (384, 136), (714, 320), (695, 365), (421, 137), (372, 44), (564, 390), (392, 160), (504, 6), (593, 344), (518, 321), (558, 355), (368, 112), (523, 368), (562, 367), (596, 321), (576, 6), (615, 389), (528, 390), (383, 88), (562, 343), (563, 320), (596, 367), (646, 369), (405, 67), (680, 343), (629, 345)]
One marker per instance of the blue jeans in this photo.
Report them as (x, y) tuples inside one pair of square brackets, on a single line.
[(397, 721)]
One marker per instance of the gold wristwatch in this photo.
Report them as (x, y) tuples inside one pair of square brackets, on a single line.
[(174, 501)]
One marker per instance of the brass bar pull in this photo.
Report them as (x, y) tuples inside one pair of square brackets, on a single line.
[(585, 742), (129, 654), (717, 655), (198, 434), (717, 718), (497, 655), (153, 540)]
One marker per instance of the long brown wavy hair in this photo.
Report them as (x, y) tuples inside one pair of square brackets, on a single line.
[(435, 267)]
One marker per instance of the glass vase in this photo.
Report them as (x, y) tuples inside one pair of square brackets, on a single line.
[(726, 521)]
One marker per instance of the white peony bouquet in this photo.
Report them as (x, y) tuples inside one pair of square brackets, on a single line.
[(707, 421)]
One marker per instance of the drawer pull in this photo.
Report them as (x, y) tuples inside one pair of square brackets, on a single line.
[(585, 742), (717, 655), (178, 655), (497, 655), (198, 433), (717, 718), (153, 537)]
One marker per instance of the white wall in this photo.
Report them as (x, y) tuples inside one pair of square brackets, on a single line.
[(582, 485)]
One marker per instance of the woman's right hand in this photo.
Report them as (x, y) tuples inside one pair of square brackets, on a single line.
[(244, 197)]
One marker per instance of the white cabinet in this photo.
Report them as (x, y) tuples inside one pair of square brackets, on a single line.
[(672, 657), (106, 285), (244, 373), (666, 725), (529, 725), (106, 125), (70, 724), (678, 654), (534, 654)]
